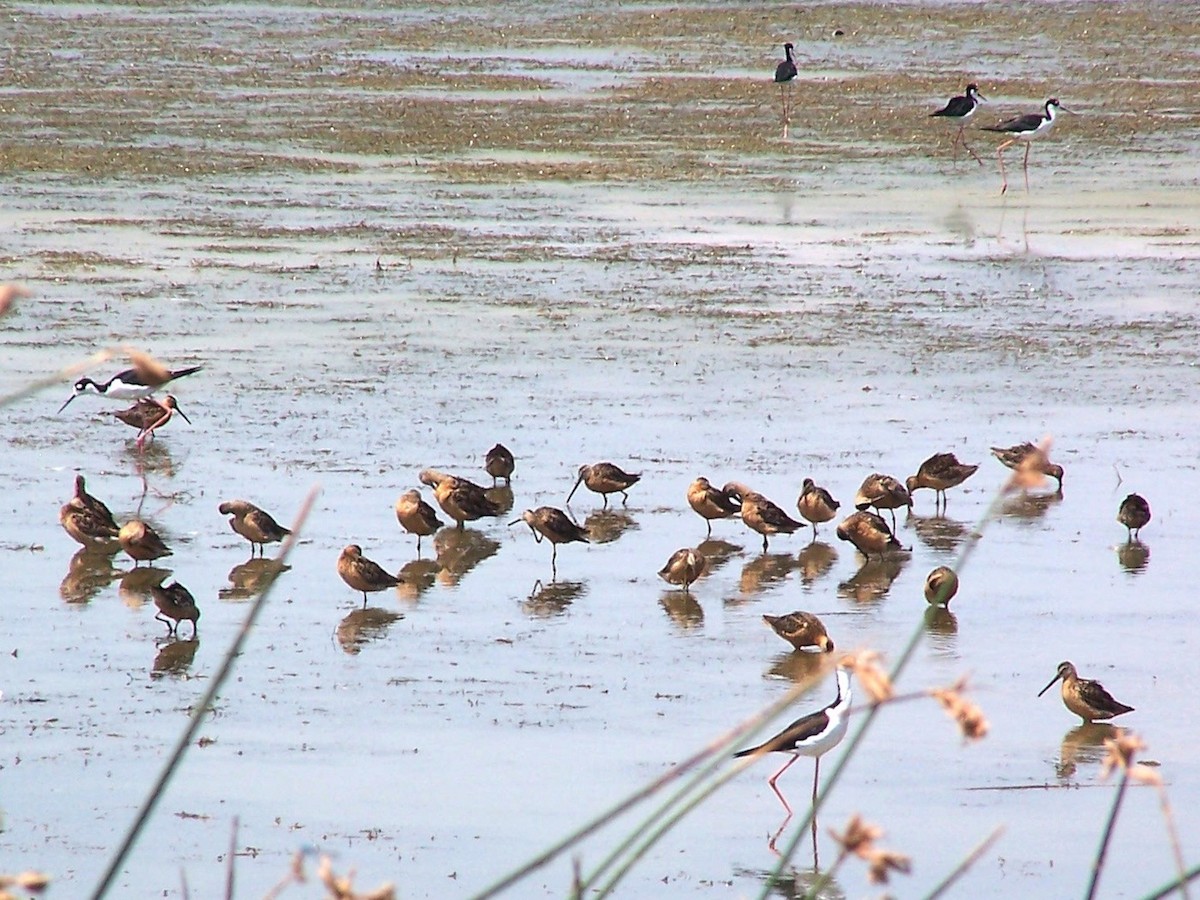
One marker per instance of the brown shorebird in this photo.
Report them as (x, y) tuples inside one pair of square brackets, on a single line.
[(149, 415), (604, 478), (461, 499), (802, 630), (89, 528), (816, 504), (684, 567), (1029, 457), (1134, 514), (760, 514), (499, 463), (940, 586), (416, 516), (1087, 699), (141, 542), (175, 604), (868, 532), (882, 492), (362, 574), (254, 524), (940, 472), (555, 526), (710, 503), (83, 500)]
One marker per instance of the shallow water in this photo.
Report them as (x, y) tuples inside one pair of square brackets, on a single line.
[(388, 257)]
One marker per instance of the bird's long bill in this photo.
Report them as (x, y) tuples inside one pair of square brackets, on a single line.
[(578, 482), (65, 405), (515, 522), (1050, 685), (182, 413)]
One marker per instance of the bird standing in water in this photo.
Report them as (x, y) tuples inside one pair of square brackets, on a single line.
[(684, 567), (499, 463), (363, 574), (710, 503), (254, 524), (785, 72), (1086, 698), (802, 630), (604, 478), (1134, 514), (555, 526), (959, 110)]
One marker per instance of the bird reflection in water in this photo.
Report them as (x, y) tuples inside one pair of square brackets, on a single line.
[(1134, 557), (459, 550), (416, 578), (764, 571), (938, 532), (682, 609), (363, 625), (174, 657), (718, 552), (606, 525), (1084, 745), (1028, 508), (502, 496), (249, 579), (88, 573), (135, 585), (794, 884), (942, 628), (815, 560), (798, 667), (154, 458), (549, 599), (874, 579)]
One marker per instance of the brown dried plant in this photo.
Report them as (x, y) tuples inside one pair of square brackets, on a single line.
[(874, 681), (968, 715), (859, 840)]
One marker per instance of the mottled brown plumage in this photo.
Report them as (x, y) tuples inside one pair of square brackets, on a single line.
[(940, 472), (816, 505), (362, 574), (869, 533), (254, 524), (148, 415), (461, 499), (604, 478), (684, 567), (499, 463), (940, 586), (416, 516), (555, 526), (1029, 456), (89, 528), (760, 514), (802, 630), (175, 604), (83, 500), (882, 492), (710, 503), (1134, 514), (141, 542), (1087, 699)]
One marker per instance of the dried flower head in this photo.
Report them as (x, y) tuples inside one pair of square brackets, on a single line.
[(859, 839), (1030, 472), (968, 715), (8, 294), (1121, 750), (875, 682), (883, 862), (148, 368), (343, 888)]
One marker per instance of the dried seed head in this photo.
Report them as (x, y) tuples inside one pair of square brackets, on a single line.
[(971, 721), (1121, 750), (875, 682), (883, 862), (8, 294), (859, 838), (148, 368), (1031, 471)]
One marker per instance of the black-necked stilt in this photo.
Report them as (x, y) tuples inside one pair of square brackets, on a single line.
[(959, 110), (254, 524), (604, 478), (132, 384), (363, 574), (1087, 699), (1025, 128), (1134, 514), (813, 735), (1027, 457), (784, 73)]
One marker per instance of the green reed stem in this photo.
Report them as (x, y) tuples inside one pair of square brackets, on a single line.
[(1109, 827), (1179, 884), (199, 712), (970, 860)]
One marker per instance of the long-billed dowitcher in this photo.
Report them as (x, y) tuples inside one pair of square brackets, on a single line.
[(132, 384), (83, 500), (710, 503), (604, 478), (1029, 457), (1134, 514), (882, 492), (1024, 129), (149, 415), (362, 574), (802, 630), (416, 516), (499, 463), (816, 504), (940, 586), (175, 604), (959, 110), (684, 567), (940, 472), (813, 735), (1087, 699), (869, 533), (555, 526), (141, 542), (461, 499), (760, 514), (89, 528), (254, 524)]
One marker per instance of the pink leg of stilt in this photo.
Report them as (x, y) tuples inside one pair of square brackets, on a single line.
[(771, 781)]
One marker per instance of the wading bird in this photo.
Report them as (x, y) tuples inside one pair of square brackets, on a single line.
[(499, 463), (1087, 699), (785, 72), (132, 384), (816, 504), (1024, 129), (959, 110), (882, 492), (940, 586), (555, 526), (1134, 514), (1029, 457), (869, 533), (802, 630), (710, 503), (141, 542), (254, 524), (362, 574), (604, 478), (684, 567), (760, 514), (940, 472), (175, 604), (416, 516)]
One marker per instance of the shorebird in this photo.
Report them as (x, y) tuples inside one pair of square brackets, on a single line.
[(89, 528), (175, 604), (141, 542), (868, 532), (784, 73), (813, 735), (710, 503), (882, 492), (604, 478), (461, 499), (760, 514), (802, 630), (254, 524), (416, 516), (940, 472), (132, 384), (1087, 699), (499, 463), (555, 526), (940, 586), (362, 574), (1026, 457), (1024, 128), (1134, 514), (83, 500), (816, 504), (959, 110), (148, 415), (684, 567)]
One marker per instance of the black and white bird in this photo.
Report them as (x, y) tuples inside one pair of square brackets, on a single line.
[(960, 109), (1025, 128), (813, 735), (132, 384), (784, 73)]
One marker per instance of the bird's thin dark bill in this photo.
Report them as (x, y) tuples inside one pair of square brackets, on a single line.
[(65, 405), (182, 413), (1050, 685)]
